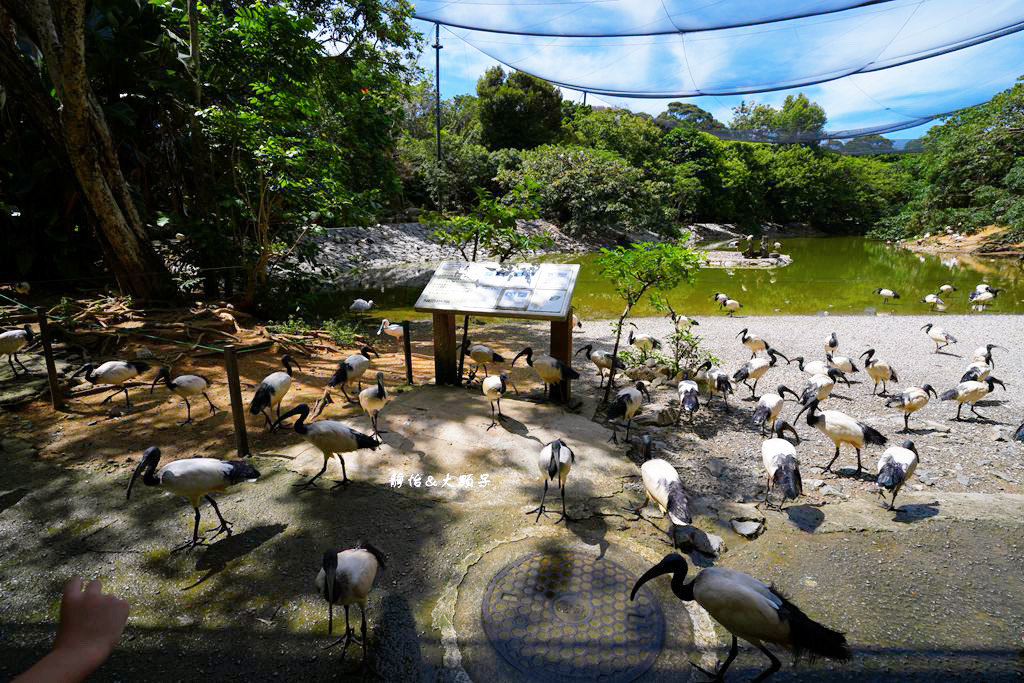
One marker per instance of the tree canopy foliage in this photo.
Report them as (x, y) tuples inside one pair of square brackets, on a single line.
[(517, 110)]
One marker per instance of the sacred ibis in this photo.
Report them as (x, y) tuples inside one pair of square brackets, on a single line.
[(350, 370), (820, 386), (983, 287), (663, 487), (984, 353), (717, 381), (832, 344), (895, 467), (842, 363), (391, 329), (360, 306), (271, 390), (730, 306), (372, 400), (977, 372), (681, 323), (193, 479), (841, 428), (720, 298), (643, 342), (13, 341), (602, 360), (115, 372), (555, 460), (938, 335), (626, 404), (971, 393), (689, 399), (481, 356), (752, 342), (751, 610), (550, 370), (814, 367), (576, 322), (781, 464), (22, 288), (184, 386), (879, 371), (932, 300), (331, 437), (886, 294), (755, 368), (494, 387), (946, 289), (983, 298), (769, 406), (346, 578), (910, 401)]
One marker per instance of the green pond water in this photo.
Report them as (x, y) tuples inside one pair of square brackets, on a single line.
[(834, 274)]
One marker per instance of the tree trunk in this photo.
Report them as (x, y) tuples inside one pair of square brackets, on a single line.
[(58, 31), (615, 354)]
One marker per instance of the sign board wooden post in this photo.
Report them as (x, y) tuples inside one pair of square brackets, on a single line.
[(527, 291)]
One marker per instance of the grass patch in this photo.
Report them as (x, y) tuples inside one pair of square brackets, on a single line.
[(342, 331)]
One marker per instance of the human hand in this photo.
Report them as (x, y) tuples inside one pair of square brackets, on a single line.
[(90, 622)]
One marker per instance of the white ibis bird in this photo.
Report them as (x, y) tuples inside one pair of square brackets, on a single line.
[(115, 372), (730, 306), (781, 464), (22, 288), (602, 360), (360, 306), (841, 428), (932, 300), (346, 578), (895, 467), (886, 294), (681, 323), (752, 342), (947, 289), (555, 460), (185, 386), (372, 400), (755, 368), (663, 487), (879, 371), (351, 370), (843, 364), (481, 356), (983, 298), (716, 379), (910, 401), (331, 437), (970, 393), (814, 367), (832, 344), (751, 610), (576, 322), (271, 390), (983, 287), (938, 335), (390, 329), (550, 370), (193, 479), (820, 386), (643, 342), (720, 298), (769, 406), (494, 387), (626, 404), (984, 353), (689, 399), (13, 341), (977, 372)]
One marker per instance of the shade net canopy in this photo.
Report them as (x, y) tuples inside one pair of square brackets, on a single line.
[(954, 53)]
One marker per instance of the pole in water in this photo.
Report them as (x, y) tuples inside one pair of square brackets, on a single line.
[(437, 86), (56, 398), (408, 352), (237, 409)]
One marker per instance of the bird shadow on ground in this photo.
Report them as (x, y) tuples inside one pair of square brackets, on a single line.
[(514, 426), (840, 396), (851, 473), (592, 531), (805, 517), (11, 498), (908, 514), (948, 353), (218, 555)]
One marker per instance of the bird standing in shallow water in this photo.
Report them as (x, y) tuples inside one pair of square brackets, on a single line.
[(331, 437), (185, 386), (555, 461), (193, 479), (347, 578), (886, 294), (751, 610)]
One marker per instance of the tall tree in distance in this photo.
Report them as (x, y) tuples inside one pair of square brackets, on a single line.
[(687, 114), (799, 120), (517, 110)]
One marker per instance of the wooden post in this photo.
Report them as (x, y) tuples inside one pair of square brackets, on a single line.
[(56, 398), (407, 344), (445, 366), (237, 409), (561, 349)]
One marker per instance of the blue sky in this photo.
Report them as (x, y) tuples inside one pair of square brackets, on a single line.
[(797, 51)]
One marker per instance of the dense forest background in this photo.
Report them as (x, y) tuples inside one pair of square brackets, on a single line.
[(173, 143)]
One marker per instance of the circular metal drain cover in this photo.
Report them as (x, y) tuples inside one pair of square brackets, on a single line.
[(568, 616)]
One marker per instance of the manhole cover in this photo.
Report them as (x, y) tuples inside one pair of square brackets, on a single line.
[(568, 616)]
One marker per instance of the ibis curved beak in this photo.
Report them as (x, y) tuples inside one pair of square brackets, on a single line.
[(150, 453), (518, 356), (670, 564), (152, 387)]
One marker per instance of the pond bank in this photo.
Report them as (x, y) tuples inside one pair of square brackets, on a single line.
[(989, 242)]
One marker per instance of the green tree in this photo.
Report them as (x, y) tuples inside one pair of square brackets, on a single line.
[(517, 110), (647, 268), (634, 138), (799, 120), (689, 115)]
